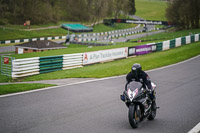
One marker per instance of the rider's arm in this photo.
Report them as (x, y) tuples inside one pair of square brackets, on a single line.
[(128, 77), (147, 81)]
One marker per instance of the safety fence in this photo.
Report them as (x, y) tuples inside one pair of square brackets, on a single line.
[(123, 31), (91, 43), (165, 45), (38, 65), (32, 39), (81, 37), (110, 35)]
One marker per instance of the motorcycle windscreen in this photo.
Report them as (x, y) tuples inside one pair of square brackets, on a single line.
[(133, 85)]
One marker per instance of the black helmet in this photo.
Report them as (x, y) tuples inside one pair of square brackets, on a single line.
[(136, 69)]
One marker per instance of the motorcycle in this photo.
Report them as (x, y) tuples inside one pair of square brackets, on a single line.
[(140, 105)]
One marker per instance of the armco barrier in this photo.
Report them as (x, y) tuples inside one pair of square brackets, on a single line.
[(165, 45), (172, 43), (38, 65), (183, 41), (32, 39), (159, 46), (51, 63), (25, 67), (72, 61), (178, 42)]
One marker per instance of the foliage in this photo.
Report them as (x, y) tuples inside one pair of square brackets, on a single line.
[(184, 13), (46, 11), (132, 9)]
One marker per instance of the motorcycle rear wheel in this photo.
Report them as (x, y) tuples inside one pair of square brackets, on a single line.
[(134, 115)]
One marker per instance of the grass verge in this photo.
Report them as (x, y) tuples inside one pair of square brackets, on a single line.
[(13, 88)]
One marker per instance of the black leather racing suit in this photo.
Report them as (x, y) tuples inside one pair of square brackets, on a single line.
[(142, 77)]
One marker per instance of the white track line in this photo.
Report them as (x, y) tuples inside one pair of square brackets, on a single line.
[(48, 88), (196, 129)]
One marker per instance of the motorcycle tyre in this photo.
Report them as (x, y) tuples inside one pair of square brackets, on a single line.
[(131, 115)]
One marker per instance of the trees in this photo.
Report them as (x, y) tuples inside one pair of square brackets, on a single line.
[(38, 11), (131, 5), (184, 13), (45, 11)]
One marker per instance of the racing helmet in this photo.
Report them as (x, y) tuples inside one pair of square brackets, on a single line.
[(136, 69)]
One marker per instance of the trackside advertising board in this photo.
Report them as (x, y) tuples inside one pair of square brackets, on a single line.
[(104, 55), (140, 50), (149, 22)]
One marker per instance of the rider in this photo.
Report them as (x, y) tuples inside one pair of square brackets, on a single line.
[(137, 74)]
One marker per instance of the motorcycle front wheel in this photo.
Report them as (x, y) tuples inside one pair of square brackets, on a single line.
[(134, 115), (153, 111)]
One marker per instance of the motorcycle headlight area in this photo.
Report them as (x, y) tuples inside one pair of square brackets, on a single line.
[(132, 94)]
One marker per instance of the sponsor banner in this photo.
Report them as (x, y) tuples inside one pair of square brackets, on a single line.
[(6, 60), (131, 51), (20, 51), (104, 55), (143, 49), (153, 47), (149, 22), (144, 22)]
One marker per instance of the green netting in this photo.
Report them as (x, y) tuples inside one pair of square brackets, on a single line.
[(76, 27)]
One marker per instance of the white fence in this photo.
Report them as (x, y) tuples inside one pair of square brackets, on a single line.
[(25, 67), (72, 61)]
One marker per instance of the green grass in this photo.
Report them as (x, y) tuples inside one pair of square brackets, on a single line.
[(12, 34), (13, 88), (168, 35), (117, 26), (17, 33), (151, 9), (72, 48), (7, 53), (120, 67)]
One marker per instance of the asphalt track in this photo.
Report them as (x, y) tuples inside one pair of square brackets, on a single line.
[(95, 107)]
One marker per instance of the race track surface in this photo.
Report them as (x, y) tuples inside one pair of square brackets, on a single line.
[(95, 107)]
